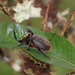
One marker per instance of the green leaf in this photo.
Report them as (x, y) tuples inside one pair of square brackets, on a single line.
[(62, 52)]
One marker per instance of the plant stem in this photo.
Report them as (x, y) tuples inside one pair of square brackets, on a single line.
[(46, 16), (5, 9), (67, 23)]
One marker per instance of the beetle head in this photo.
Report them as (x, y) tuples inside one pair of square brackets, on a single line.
[(29, 31)]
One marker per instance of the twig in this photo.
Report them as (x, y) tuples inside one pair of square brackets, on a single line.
[(67, 24), (46, 16), (7, 12), (72, 73)]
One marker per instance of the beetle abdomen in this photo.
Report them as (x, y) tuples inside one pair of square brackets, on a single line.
[(40, 42)]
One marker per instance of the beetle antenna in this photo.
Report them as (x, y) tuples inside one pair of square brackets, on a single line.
[(29, 31), (52, 37), (15, 36)]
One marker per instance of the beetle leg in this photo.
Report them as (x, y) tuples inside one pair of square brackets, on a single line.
[(52, 37), (43, 53), (28, 48), (19, 45), (15, 36), (16, 46), (29, 42)]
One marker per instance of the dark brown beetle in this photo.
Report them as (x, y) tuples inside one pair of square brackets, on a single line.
[(36, 41)]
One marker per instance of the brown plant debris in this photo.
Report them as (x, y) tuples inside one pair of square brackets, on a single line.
[(29, 67)]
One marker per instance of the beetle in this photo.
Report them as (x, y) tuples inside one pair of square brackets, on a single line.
[(36, 41)]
